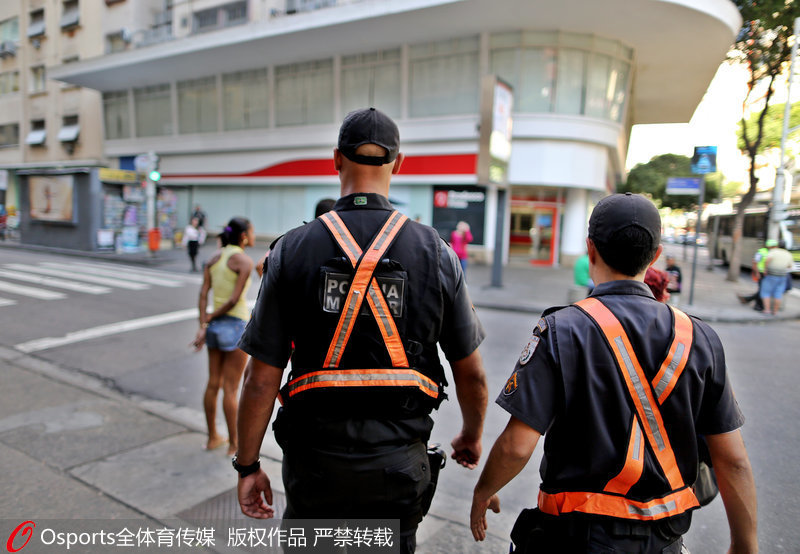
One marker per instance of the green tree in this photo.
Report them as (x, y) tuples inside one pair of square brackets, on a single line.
[(773, 127), (763, 47), (651, 179)]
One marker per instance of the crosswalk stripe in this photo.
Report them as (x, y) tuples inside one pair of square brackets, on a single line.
[(41, 294), (7, 302), (119, 273), (53, 282), (119, 283), (136, 270), (111, 329)]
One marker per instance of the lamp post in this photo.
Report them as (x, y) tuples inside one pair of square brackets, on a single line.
[(778, 211)]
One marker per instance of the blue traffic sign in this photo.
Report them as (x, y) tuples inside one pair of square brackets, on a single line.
[(684, 185)]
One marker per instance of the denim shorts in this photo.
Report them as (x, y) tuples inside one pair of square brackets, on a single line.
[(223, 332), (773, 286)]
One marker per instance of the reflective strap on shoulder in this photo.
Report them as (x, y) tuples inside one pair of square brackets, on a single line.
[(638, 386), (342, 235), (383, 315), (611, 505), (678, 355), (363, 378), (634, 463), (358, 287)]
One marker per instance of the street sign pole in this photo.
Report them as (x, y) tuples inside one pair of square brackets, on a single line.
[(697, 236)]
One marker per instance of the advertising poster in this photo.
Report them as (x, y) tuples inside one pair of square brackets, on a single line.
[(51, 197)]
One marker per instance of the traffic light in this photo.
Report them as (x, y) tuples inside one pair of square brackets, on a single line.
[(154, 174)]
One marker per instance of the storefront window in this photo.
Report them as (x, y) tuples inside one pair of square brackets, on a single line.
[(153, 111), (304, 93), (116, 115), (245, 100), (444, 77), (197, 105), (372, 80)]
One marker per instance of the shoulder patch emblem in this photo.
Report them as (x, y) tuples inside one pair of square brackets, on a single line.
[(542, 325), (511, 385), (530, 348)]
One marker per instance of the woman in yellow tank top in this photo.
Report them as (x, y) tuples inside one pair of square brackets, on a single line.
[(227, 273)]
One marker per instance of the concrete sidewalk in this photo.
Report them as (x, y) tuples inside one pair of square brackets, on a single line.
[(99, 454)]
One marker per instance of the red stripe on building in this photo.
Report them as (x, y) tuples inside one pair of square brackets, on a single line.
[(453, 164)]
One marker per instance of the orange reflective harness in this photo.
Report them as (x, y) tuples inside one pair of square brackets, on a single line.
[(648, 424), (364, 285)]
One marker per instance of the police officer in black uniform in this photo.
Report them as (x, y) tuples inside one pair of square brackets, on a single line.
[(626, 389), (359, 299)]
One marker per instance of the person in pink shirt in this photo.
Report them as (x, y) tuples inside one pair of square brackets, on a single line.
[(459, 239)]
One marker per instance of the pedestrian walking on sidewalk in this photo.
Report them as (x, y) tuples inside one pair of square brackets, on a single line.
[(193, 237), (757, 273), (622, 423), (459, 239), (675, 280), (227, 276), (355, 416), (777, 266)]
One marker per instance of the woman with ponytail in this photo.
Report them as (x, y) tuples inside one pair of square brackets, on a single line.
[(227, 273)]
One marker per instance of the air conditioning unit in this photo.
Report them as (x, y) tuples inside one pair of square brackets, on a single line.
[(8, 48)]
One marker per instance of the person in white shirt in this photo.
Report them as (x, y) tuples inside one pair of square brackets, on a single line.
[(193, 237)]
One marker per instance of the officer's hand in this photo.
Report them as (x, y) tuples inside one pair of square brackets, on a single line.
[(477, 516), (250, 499), (466, 451)]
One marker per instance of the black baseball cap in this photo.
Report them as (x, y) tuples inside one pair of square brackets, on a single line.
[(369, 126), (618, 211)]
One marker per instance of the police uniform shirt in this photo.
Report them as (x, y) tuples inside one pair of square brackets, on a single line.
[(278, 321), (566, 385)]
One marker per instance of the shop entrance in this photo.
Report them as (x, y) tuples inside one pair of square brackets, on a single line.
[(534, 231)]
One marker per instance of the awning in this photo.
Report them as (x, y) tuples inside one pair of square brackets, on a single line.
[(69, 133), (36, 137)]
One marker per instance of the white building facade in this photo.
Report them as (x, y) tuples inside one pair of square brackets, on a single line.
[(242, 101)]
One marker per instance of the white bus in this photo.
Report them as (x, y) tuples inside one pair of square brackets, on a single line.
[(754, 233)]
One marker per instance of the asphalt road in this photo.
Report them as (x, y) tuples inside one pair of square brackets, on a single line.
[(150, 356)]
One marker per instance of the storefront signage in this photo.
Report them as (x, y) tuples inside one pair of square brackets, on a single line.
[(684, 185), (117, 176), (494, 148), (452, 204)]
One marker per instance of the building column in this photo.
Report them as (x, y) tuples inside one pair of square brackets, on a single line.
[(574, 227)]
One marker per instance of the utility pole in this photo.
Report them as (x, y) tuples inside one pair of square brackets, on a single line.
[(778, 212)]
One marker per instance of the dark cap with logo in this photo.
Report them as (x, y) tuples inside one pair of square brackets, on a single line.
[(618, 211), (369, 126)]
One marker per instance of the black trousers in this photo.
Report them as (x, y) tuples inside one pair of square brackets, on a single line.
[(381, 483), (546, 534)]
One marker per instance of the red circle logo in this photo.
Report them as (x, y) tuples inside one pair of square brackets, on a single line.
[(26, 530), (440, 199)]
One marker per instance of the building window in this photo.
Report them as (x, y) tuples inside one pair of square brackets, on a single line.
[(116, 115), (304, 93), (444, 77), (530, 70), (70, 129), (563, 72), (245, 100), (38, 83), (153, 107), (9, 134), (372, 80), (197, 106), (70, 15), (36, 27), (38, 133), (217, 17), (9, 82), (9, 30)]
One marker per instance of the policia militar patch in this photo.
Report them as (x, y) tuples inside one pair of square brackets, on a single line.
[(337, 285)]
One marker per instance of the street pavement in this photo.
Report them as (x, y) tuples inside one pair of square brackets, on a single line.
[(72, 447)]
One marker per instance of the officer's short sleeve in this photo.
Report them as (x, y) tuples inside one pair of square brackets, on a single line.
[(719, 412), (265, 336), (533, 390), (462, 331)]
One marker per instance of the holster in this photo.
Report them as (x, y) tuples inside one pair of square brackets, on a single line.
[(436, 461)]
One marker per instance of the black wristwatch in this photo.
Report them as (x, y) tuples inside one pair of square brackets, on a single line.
[(244, 471)]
